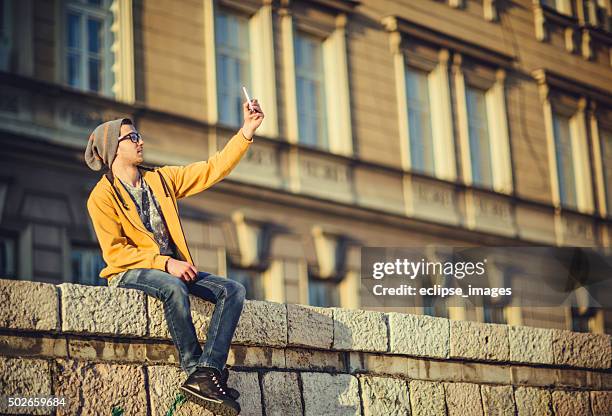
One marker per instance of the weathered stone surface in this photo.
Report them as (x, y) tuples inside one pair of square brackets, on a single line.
[(103, 310), (262, 323), (161, 353), (463, 399), (164, 383), (531, 401), (531, 345), (303, 359), (247, 383), (28, 305), (243, 356), (601, 403), (571, 403), (326, 394), (281, 394), (478, 341), (99, 350), (24, 346), (384, 396), (427, 398), (201, 312), (24, 378), (419, 335), (93, 389), (498, 400), (310, 326), (581, 349), (359, 330)]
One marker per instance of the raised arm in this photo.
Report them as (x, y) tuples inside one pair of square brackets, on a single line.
[(196, 177)]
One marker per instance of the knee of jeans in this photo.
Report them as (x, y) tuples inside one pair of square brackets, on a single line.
[(175, 288), (237, 290)]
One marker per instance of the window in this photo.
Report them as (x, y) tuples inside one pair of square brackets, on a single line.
[(606, 154), (232, 48), (7, 257), (582, 319), (322, 292), (87, 59), (250, 279), (312, 118), (565, 164), (562, 6), (479, 139), (5, 34), (86, 265), (419, 121)]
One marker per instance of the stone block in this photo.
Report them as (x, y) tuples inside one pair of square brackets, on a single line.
[(463, 399), (262, 323), (581, 349), (101, 350), (497, 400), (103, 310), (359, 330), (478, 341), (36, 346), (24, 378), (327, 394), (384, 396), (531, 345), (28, 305), (247, 383), (601, 403), (427, 398), (97, 388), (281, 394), (243, 356), (419, 335), (304, 359), (571, 403), (531, 401), (309, 326)]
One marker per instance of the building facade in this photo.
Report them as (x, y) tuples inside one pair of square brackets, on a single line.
[(388, 123)]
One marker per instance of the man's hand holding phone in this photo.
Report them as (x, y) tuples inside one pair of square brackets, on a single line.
[(181, 269), (253, 116)]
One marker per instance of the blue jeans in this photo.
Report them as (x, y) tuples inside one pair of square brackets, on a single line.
[(226, 294)]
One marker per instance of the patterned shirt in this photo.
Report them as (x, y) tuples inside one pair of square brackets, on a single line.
[(151, 215)]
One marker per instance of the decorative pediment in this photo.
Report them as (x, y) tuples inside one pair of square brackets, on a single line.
[(402, 26)]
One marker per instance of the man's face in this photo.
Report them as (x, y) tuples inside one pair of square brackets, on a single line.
[(128, 152)]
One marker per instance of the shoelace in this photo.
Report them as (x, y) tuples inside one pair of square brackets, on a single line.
[(218, 385)]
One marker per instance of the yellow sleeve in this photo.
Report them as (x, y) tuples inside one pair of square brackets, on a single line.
[(196, 177), (115, 249)]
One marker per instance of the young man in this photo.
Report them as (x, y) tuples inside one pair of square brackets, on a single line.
[(135, 216)]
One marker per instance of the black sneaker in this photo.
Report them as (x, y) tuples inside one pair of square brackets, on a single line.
[(233, 393), (204, 387)]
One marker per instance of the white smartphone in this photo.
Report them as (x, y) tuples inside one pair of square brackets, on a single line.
[(246, 94)]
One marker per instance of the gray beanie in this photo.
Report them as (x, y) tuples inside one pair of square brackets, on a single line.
[(102, 145)]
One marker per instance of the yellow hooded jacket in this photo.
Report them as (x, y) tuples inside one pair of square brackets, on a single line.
[(124, 240)]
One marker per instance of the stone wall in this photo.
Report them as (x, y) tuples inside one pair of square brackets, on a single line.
[(102, 348)]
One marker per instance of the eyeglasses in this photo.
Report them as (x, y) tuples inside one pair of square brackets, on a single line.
[(133, 136)]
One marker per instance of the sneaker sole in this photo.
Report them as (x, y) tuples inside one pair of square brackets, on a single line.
[(215, 406)]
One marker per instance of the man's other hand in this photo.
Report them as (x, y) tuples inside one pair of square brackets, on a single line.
[(182, 269)]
